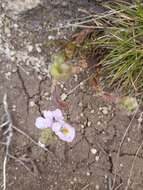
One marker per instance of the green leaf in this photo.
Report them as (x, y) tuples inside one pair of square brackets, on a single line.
[(61, 71), (47, 136), (129, 103)]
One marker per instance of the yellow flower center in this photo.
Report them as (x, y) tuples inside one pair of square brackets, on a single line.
[(65, 131)]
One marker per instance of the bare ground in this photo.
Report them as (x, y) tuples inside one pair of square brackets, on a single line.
[(88, 163)]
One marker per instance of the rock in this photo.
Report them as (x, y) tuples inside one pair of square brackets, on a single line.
[(15, 7)]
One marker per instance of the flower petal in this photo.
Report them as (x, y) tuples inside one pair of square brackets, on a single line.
[(57, 115), (59, 128), (56, 127), (49, 122), (48, 114), (40, 123)]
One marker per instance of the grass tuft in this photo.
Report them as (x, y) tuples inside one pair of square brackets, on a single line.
[(120, 31)]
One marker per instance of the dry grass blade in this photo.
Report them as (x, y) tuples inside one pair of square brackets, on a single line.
[(34, 142), (120, 146), (9, 133), (140, 119), (132, 167), (21, 162)]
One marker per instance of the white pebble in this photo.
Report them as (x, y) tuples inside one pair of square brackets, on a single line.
[(51, 37), (105, 110), (62, 86), (80, 104), (75, 78), (98, 123), (89, 123), (97, 187), (92, 111), (39, 77), (121, 165), (14, 108), (32, 104), (97, 158), (7, 75), (63, 96), (88, 173), (30, 48), (82, 126), (93, 150), (75, 179), (128, 139), (81, 114), (38, 48)]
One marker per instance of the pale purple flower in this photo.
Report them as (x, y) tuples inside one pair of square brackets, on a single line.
[(49, 118), (56, 115), (43, 123), (55, 121), (64, 131)]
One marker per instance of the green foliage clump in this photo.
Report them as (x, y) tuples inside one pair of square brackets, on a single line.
[(59, 69), (122, 35), (129, 103), (47, 136)]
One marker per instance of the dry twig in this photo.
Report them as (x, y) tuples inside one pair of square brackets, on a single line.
[(140, 119), (9, 133), (121, 143), (132, 167)]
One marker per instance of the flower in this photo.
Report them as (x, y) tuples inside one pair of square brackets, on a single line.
[(49, 118), (52, 124), (43, 123), (64, 131)]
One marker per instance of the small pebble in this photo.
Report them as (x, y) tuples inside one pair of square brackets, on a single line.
[(82, 126), (75, 78), (97, 187), (51, 37), (63, 96), (14, 108), (82, 85), (7, 75), (62, 86), (39, 77), (121, 165), (80, 104), (128, 139), (89, 123), (105, 110), (32, 104), (81, 114), (92, 111), (38, 48), (75, 179), (93, 150), (30, 48), (97, 158), (88, 173), (15, 26), (98, 123)]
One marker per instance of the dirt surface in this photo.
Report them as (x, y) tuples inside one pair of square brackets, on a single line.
[(88, 163)]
